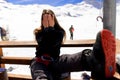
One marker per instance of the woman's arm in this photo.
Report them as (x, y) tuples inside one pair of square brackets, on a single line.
[(50, 37)]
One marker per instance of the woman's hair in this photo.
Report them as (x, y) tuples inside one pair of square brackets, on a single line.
[(56, 26)]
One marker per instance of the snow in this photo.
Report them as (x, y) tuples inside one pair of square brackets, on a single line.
[(22, 20)]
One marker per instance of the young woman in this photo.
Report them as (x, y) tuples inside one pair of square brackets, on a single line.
[(49, 65)]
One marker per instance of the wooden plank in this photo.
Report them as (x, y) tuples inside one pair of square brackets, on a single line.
[(24, 77), (67, 43), (28, 77), (16, 60), (1, 54), (79, 43), (18, 44), (118, 46), (19, 77)]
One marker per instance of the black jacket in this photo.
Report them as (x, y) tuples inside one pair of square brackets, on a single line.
[(49, 42)]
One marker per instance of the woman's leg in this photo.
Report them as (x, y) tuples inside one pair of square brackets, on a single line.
[(73, 62), (39, 71), (101, 61)]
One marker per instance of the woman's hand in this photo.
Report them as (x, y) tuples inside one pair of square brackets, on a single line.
[(51, 21), (48, 20), (45, 20)]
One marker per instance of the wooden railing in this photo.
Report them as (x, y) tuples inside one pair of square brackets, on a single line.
[(26, 60)]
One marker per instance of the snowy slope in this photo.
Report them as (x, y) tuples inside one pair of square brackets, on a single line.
[(28, 17)]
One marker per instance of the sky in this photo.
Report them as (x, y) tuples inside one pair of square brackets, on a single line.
[(49, 2)]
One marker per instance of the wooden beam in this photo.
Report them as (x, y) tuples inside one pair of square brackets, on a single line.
[(28, 77), (118, 46), (16, 60), (19, 77), (67, 43), (1, 54), (18, 44)]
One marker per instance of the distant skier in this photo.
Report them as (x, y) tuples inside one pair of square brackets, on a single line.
[(71, 29), (3, 34)]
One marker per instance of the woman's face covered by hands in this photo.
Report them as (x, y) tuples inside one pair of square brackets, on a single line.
[(48, 19)]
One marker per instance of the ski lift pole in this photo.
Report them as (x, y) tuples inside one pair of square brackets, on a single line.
[(109, 15)]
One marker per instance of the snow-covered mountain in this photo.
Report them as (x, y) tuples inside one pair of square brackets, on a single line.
[(94, 3), (79, 9), (68, 10), (18, 17)]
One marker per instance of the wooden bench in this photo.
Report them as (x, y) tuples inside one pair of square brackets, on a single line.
[(26, 60)]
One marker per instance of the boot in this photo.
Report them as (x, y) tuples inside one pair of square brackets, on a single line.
[(104, 55)]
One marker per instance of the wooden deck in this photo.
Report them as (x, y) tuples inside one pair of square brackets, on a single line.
[(26, 60)]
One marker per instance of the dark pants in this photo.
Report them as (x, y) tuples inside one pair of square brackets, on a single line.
[(71, 36), (65, 63)]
